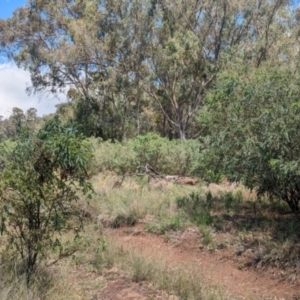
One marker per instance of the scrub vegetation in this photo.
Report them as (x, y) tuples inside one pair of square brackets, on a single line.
[(182, 120)]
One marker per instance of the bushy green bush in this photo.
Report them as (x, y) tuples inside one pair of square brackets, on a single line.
[(39, 183), (117, 157), (253, 122), (165, 156)]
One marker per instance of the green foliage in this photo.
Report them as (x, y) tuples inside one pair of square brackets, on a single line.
[(148, 148), (206, 237), (167, 223), (123, 59), (209, 199), (228, 199), (104, 117), (39, 184), (212, 176), (165, 156), (196, 208), (231, 200), (254, 131), (117, 157), (11, 127)]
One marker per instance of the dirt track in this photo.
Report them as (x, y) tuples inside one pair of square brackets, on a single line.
[(216, 267)]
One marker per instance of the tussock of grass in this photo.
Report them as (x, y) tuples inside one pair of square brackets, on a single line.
[(46, 283)]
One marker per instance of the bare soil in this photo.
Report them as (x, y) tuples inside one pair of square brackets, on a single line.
[(120, 288), (113, 285)]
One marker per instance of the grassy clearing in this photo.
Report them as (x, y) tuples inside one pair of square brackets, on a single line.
[(138, 200)]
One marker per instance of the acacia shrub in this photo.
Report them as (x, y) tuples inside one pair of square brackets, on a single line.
[(165, 156), (113, 156), (39, 185)]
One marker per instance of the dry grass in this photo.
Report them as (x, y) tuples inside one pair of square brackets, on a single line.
[(136, 199), (183, 280), (47, 283)]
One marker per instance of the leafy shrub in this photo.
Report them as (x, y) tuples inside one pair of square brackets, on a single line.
[(116, 157), (165, 156), (38, 186), (253, 122)]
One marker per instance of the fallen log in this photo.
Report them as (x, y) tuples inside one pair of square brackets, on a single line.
[(184, 180)]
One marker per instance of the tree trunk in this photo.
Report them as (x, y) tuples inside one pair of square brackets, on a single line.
[(181, 134), (180, 126)]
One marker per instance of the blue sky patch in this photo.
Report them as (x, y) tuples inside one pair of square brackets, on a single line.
[(8, 6)]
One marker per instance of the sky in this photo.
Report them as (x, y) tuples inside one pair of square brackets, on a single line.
[(13, 81), (8, 6)]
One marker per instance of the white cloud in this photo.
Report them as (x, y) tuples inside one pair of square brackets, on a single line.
[(13, 83)]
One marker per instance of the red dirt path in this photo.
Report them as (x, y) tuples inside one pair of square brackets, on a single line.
[(215, 266)]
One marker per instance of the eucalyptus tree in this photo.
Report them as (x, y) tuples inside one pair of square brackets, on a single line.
[(115, 55), (12, 126), (86, 47), (190, 43)]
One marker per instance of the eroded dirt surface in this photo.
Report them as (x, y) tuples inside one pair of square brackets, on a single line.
[(113, 285), (215, 266), (121, 288)]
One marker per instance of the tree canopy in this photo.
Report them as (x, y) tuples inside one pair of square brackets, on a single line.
[(123, 60)]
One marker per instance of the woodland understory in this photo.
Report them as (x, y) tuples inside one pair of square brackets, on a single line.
[(181, 116)]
